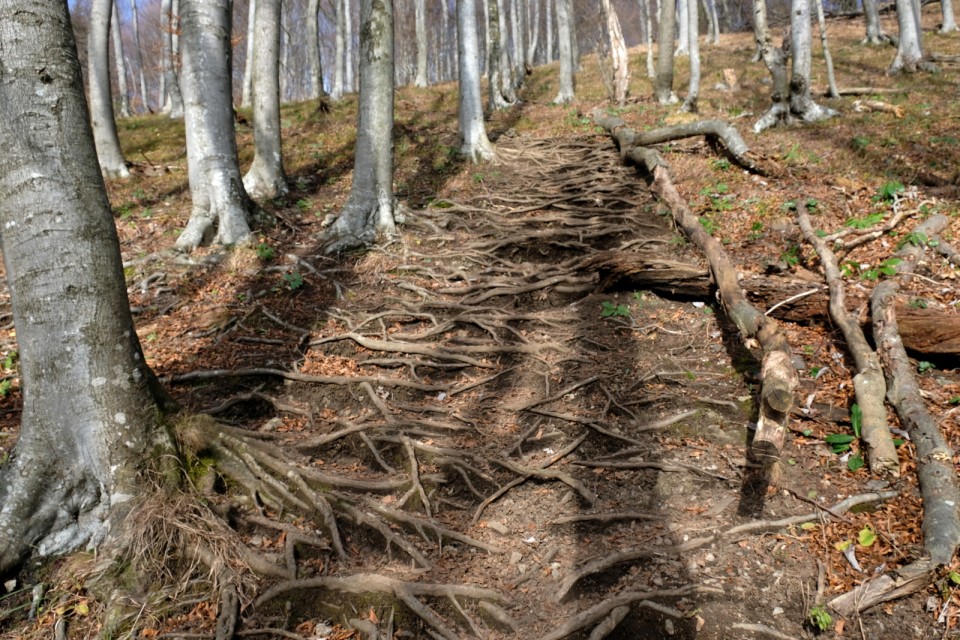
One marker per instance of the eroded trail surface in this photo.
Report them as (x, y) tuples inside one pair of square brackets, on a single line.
[(577, 454)]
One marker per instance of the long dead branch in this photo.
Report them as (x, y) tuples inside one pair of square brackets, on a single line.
[(779, 378), (935, 468), (868, 383)]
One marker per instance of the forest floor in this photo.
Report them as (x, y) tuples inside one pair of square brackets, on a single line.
[(487, 413)]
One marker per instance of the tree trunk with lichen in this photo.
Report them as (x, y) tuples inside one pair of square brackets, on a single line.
[(89, 420)]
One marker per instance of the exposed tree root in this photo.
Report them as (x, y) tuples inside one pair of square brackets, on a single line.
[(410, 593)]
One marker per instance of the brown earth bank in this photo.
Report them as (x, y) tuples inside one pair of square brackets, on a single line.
[(475, 430)]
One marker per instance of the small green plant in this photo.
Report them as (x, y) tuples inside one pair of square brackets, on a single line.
[(303, 204), (793, 155), (865, 222), (888, 191), (478, 178), (293, 280), (886, 268), (11, 359), (820, 618), (265, 251), (915, 238), (924, 366), (720, 197), (954, 400), (843, 442), (5, 386), (709, 224), (721, 164), (918, 303), (612, 310), (860, 143), (791, 256), (756, 230)]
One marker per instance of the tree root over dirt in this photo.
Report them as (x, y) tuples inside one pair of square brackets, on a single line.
[(778, 376)]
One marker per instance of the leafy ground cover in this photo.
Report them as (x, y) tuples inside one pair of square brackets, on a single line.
[(521, 451)]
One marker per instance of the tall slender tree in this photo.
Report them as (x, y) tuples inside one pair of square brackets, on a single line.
[(473, 133), (135, 17), (219, 200), (618, 52), (102, 117), (246, 92), (172, 99), (663, 82), (495, 67), (909, 56), (119, 60), (340, 51), (316, 89), (693, 91), (266, 177), (369, 209), (565, 38), (420, 20), (89, 420)]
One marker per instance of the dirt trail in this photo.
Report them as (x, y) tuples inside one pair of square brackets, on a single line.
[(553, 427)]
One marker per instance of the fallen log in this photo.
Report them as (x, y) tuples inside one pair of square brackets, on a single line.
[(779, 378), (930, 331), (868, 383), (935, 469)]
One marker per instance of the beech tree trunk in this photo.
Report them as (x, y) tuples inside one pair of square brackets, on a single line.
[(909, 48), (683, 28), (618, 53), (474, 143), (171, 99), (495, 97), (139, 52), (663, 82), (316, 89), (875, 34), (246, 93), (548, 31), (119, 61), (102, 118), (565, 38), (348, 82), (646, 27), (339, 52), (89, 421), (369, 208), (266, 177), (420, 20), (946, 11), (219, 199), (693, 90), (534, 33)]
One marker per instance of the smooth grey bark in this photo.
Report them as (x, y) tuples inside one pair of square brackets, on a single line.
[(875, 34), (646, 28), (102, 118), (565, 38), (420, 22), (518, 51), (495, 68), (683, 28), (474, 143), (618, 52), (948, 23), (693, 90), (266, 177), (246, 93), (548, 30), (909, 48), (348, 50), (313, 51), (713, 20), (824, 45), (369, 209), (798, 103), (135, 16), (89, 420), (216, 189), (534, 33), (339, 51), (119, 61), (444, 48), (507, 85), (171, 99), (663, 81)]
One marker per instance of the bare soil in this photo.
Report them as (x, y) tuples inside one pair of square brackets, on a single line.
[(547, 422)]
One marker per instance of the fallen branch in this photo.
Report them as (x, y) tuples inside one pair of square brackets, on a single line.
[(935, 468), (868, 383), (778, 376)]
